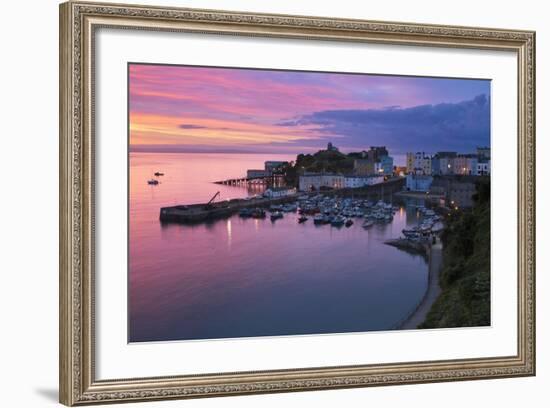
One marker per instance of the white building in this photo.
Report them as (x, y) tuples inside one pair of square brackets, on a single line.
[(483, 168), (317, 181), (353, 181), (417, 182), (277, 192), (419, 163)]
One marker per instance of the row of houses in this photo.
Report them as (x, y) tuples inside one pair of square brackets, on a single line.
[(322, 181), (450, 163)]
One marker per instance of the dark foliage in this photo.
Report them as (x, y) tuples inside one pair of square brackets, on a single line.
[(466, 274)]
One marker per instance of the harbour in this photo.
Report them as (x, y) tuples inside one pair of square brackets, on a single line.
[(275, 203), (201, 212), (236, 275)]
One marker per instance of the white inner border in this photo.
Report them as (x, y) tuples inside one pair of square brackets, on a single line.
[(117, 359)]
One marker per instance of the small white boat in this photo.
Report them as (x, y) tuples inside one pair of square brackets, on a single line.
[(276, 215)]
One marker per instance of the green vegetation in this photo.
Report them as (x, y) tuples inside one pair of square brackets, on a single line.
[(465, 277), (322, 161)]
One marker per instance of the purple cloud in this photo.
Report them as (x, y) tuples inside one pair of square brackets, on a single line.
[(446, 126)]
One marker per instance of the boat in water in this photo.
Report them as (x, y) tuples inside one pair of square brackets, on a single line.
[(349, 223), (302, 219), (290, 208), (245, 213), (337, 221), (158, 174), (258, 213), (319, 219), (152, 182), (368, 223), (276, 215)]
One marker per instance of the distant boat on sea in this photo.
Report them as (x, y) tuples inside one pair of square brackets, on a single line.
[(158, 173), (152, 182)]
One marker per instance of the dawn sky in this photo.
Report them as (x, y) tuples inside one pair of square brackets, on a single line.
[(193, 109)]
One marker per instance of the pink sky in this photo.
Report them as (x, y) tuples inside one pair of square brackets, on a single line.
[(221, 108)]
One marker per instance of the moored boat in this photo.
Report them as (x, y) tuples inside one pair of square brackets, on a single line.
[(318, 219), (337, 221), (276, 215), (258, 213), (245, 212)]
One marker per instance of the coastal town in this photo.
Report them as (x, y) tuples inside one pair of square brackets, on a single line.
[(444, 180), (366, 189)]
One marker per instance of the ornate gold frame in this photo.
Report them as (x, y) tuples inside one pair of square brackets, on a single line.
[(77, 24)]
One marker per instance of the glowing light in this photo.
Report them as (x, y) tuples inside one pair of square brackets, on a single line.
[(229, 234)]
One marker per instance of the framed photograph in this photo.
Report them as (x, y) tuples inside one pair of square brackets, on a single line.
[(256, 203)]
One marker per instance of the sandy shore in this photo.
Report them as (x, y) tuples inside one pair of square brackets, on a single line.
[(418, 316)]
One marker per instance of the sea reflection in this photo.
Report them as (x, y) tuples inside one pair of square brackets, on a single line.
[(240, 277)]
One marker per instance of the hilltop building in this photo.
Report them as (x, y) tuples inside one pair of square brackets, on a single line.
[(375, 161)]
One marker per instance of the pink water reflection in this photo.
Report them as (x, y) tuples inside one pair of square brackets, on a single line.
[(242, 277)]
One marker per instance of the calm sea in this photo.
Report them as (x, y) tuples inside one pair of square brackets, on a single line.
[(244, 277)]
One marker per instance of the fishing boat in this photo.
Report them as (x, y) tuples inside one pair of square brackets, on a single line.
[(337, 221), (302, 219), (152, 182), (158, 173), (349, 223), (276, 215)]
